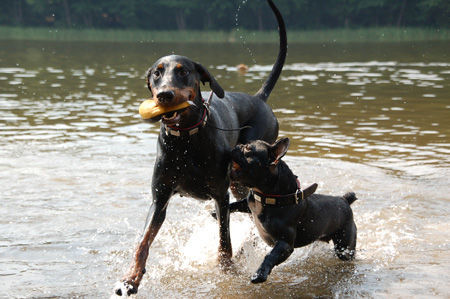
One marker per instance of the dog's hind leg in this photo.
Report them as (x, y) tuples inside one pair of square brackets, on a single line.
[(345, 242), (280, 252), (223, 217)]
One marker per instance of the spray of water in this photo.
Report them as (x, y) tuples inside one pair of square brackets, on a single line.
[(241, 36)]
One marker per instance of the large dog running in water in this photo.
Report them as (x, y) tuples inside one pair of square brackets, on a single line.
[(193, 154)]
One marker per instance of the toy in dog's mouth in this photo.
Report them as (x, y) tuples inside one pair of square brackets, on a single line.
[(150, 110)]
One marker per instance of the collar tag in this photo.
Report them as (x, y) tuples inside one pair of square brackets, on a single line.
[(191, 132), (257, 197), (271, 201)]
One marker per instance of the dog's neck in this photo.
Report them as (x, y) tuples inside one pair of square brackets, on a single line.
[(281, 183)]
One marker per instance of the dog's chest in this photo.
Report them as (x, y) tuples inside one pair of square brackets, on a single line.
[(199, 176), (196, 186), (262, 222)]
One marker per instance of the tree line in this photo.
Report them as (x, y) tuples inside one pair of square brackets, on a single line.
[(223, 14)]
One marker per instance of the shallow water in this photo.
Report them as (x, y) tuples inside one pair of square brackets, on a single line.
[(76, 164)]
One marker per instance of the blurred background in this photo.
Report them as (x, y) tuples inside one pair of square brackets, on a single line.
[(219, 14)]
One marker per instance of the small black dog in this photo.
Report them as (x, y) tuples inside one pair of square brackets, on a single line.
[(285, 216)]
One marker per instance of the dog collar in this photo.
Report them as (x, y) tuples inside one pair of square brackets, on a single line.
[(177, 131), (283, 200)]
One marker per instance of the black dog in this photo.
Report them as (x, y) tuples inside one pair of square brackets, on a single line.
[(194, 144), (285, 216)]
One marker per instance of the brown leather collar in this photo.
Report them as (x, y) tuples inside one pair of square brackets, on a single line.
[(283, 200)]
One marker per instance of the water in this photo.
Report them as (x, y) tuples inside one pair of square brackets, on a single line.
[(76, 164)]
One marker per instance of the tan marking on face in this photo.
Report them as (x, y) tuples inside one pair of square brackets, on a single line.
[(160, 66), (181, 95), (185, 94), (179, 66)]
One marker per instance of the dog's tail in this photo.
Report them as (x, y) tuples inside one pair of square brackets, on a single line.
[(267, 87), (350, 197)]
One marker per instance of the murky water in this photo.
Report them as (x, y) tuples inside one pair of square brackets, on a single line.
[(76, 164)]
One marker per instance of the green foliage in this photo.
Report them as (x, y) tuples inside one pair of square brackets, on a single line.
[(382, 34), (222, 14)]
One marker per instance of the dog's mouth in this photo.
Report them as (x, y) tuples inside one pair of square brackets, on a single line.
[(235, 166), (235, 171), (172, 117)]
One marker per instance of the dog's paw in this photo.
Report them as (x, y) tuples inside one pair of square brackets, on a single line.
[(261, 275), (125, 288), (258, 277)]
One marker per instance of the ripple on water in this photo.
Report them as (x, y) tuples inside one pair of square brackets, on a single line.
[(78, 161)]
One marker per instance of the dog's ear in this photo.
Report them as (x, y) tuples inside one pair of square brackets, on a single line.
[(205, 76), (147, 79), (279, 149)]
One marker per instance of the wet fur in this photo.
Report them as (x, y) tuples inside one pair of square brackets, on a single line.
[(197, 165), (258, 165)]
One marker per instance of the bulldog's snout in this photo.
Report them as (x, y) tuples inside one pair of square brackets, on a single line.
[(165, 96)]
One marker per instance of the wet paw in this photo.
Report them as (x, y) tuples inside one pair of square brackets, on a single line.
[(345, 255), (260, 276), (125, 288)]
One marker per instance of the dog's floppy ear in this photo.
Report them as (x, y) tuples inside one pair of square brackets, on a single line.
[(147, 78), (279, 149), (205, 76)]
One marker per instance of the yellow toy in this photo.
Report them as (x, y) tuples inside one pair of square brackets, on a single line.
[(150, 109)]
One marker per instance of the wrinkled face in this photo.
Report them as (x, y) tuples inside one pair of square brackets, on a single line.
[(251, 163), (173, 80)]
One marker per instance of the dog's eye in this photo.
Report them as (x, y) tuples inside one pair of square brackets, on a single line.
[(156, 74), (183, 73)]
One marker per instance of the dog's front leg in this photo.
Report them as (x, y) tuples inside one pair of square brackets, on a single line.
[(240, 206), (280, 252), (223, 216), (130, 283), (237, 206)]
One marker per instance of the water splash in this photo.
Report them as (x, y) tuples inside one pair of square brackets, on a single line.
[(241, 36)]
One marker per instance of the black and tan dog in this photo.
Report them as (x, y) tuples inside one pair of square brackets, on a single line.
[(286, 216), (194, 143)]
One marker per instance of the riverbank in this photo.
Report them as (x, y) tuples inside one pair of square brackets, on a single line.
[(385, 34)]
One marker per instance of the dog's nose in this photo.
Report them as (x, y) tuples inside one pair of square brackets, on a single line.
[(165, 96)]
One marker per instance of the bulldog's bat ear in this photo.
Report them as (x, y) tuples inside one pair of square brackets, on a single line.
[(205, 76), (279, 149)]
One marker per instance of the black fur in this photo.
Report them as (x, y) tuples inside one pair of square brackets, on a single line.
[(197, 165), (318, 217)]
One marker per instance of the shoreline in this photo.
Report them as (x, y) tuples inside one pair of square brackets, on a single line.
[(379, 34)]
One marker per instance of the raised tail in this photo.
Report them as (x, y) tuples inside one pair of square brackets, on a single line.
[(350, 197), (267, 87)]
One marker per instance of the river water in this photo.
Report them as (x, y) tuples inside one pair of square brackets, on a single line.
[(76, 164)]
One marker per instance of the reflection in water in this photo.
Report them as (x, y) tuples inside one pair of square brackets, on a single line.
[(77, 162)]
